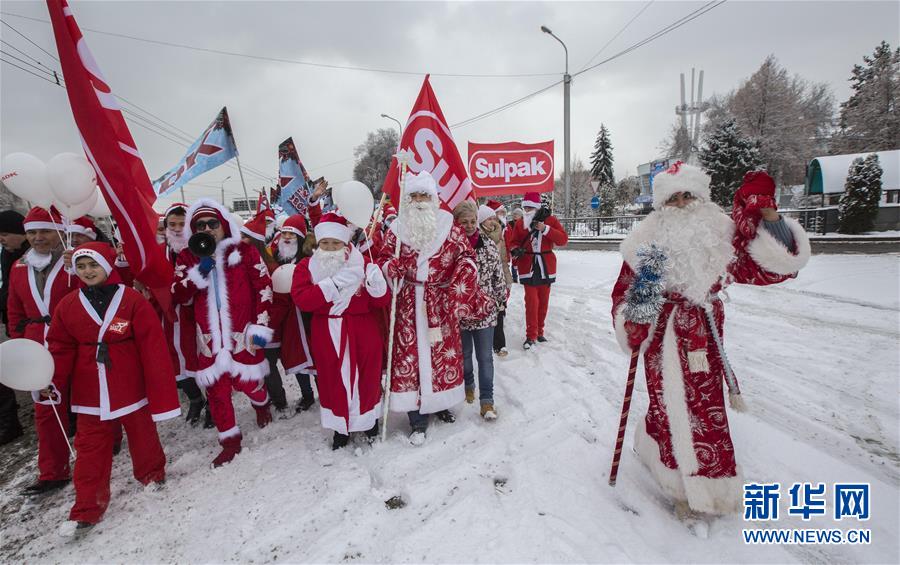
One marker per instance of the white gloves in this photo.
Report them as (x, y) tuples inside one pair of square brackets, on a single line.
[(375, 283), (345, 278)]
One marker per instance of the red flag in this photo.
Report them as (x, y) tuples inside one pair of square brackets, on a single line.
[(262, 206), (109, 146), (428, 137)]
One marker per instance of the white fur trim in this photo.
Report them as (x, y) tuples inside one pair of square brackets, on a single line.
[(79, 229), (420, 183), (261, 403), (674, 398), (166, 415), (231, 432), (721, 495), (234, 258), (619, 324), (193, 274), (332, 230), (98, 257), (771, 255), (697, 361), (687, 179), (253, 373), (254, 330), (43, 226), (647, 451)]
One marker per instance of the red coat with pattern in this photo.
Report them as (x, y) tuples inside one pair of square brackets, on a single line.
[(136, 375), (684, 438), (226, 325), (441, 289)]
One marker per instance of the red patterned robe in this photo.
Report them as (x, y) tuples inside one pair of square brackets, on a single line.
[(684, 439), (427, 370)]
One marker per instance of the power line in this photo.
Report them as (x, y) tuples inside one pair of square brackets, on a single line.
[(26, 70), (290, 61), (49, 54), (605, 45), (506, 106)]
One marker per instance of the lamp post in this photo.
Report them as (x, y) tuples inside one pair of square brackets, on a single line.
[(567, 81), (222, 187), (399, 125)]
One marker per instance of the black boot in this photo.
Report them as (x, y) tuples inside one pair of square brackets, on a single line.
[(446, 416), (195, 410), (305, 403), (207, 418), (372, 433), (11, 432), (542, 339), (339, 440), (40, 487)]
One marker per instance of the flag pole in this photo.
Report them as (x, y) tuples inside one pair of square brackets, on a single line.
[(241, 172), (182, 194)]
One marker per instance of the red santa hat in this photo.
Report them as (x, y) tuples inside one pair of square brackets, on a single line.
[(296, 225), (178, 208), (40, 219), (205, 208), (531, 200), (485, 212), (680, 178), (334, 226), (389, 211), (495, 205), (84, 226), (101, 252), (421, 183), (255, 228)]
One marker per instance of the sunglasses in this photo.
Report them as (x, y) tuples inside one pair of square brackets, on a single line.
[(200, 225)]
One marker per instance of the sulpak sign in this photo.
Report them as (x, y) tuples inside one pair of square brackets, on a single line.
[(511, 168)]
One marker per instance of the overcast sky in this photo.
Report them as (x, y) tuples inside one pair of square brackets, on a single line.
[(329, 111)]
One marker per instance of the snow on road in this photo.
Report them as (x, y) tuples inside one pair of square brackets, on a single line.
[(818, 364)]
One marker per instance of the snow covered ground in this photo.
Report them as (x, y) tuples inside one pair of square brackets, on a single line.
[(818, 363)]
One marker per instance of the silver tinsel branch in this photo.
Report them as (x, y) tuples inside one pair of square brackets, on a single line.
[(644, 299)]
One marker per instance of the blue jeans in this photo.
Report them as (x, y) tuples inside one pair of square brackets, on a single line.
[(483, 343)]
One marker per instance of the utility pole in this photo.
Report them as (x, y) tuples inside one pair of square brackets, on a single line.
[(567, 82)]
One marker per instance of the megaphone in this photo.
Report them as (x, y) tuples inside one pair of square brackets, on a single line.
[(202, 244)]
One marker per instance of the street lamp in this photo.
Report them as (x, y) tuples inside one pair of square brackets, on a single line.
[(567, 81), (399, 125), (223, 189)]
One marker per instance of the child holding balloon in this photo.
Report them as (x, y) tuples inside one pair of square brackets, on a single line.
[(107, 345)]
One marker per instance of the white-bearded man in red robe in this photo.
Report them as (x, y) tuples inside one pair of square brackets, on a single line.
[(345, 295), (438, 286), (684, 439)]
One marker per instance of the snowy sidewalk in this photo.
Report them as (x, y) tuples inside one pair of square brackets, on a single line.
[(818, 364)]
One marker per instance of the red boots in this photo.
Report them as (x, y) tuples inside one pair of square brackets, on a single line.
[(263, 415), (231, 446)]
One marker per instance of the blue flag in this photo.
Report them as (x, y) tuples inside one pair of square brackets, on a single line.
[(293, 180), (215, 147)]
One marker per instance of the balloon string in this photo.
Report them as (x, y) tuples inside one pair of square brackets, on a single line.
[(62, 429)]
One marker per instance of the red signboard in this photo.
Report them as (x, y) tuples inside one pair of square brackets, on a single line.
[(511, 168)]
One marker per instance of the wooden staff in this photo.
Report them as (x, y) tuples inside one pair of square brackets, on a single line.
[(623, 419)]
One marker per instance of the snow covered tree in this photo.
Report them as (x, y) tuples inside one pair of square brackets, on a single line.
[(602, 158), (870, 118), (677, 144), (627, 190), (726, 156), (859, 204), (373, 158)]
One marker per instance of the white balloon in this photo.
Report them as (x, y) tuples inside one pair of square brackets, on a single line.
[(25, 365), (26, 176), (282, 278), (101, 209), (355, 201), (78, 210), (72, 178)]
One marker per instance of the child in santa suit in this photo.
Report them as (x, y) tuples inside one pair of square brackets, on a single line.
[(231, 294), (531, 243), (344, 292), (109, 352)]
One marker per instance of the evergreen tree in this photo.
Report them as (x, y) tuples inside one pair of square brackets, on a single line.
[(870, 118), (859, 204), (602, 159), (726, 156)]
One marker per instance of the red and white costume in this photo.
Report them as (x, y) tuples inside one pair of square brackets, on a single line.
[(684, 439), (438, 287), (115, 375), (232, 305), (287, 319), (29, 313), (346, 335)]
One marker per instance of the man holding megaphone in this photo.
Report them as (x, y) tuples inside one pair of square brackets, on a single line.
[(227, 284)]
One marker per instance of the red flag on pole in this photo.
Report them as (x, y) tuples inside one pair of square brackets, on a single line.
[(109, 146), (428, 137)]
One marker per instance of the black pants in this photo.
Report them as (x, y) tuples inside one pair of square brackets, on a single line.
[(305, 382), (9, 410), (273, 380), (499, 334)]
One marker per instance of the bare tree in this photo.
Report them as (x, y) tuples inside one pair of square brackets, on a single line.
[(373, 158)]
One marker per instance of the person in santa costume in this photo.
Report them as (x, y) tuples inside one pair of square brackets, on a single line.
[(531, 243), (181, 328), (106, 342), (37, 284), (344, 292), (293, 244), (684, 440), (231, 294), (438, 287)]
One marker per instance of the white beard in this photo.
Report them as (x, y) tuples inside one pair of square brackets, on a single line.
[(697, 239), (287, 250), (330, 262), (420, 221), (38, 261), (176, 240), (160, 238)]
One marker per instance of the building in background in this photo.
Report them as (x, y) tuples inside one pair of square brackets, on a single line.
[(827, 177)]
